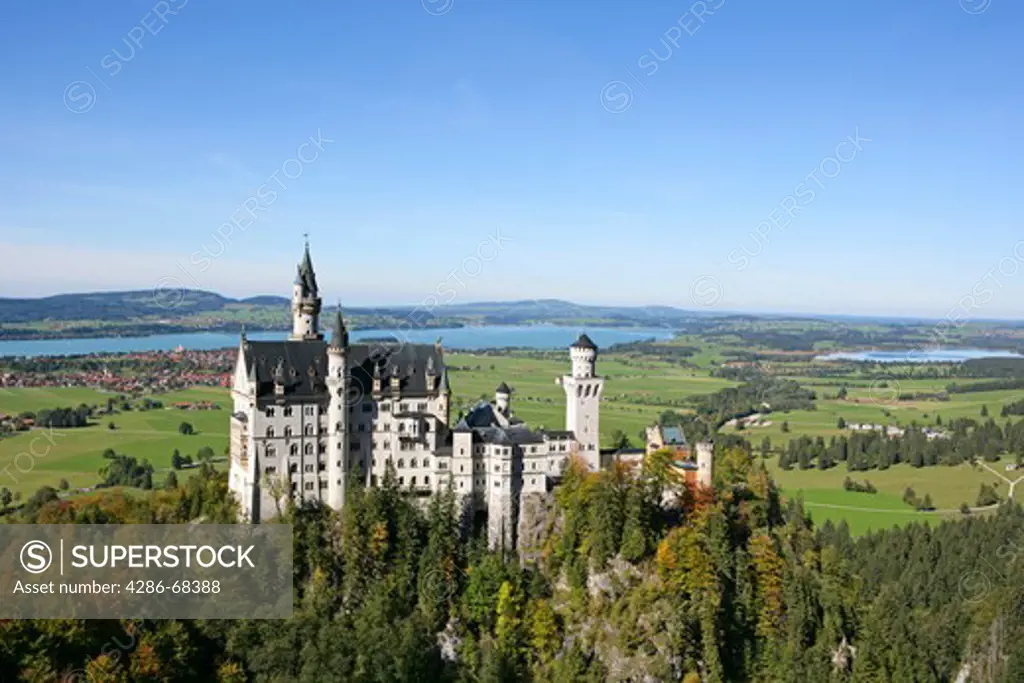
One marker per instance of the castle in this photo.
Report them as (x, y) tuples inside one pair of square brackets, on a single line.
[(311, 417)]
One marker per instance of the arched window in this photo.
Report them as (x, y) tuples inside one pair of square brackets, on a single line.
[(287, 431), (309, 429), (579, 391), (308, 449), (270, 432), (401, 463), (294, 449), (413, 482), (271, 452), (412, 463)]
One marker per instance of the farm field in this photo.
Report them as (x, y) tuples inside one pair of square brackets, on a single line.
[(41, 457), (863, 512), (859, 407), (824, 497)]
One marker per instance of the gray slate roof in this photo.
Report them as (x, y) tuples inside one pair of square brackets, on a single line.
[(303, 368), (483, 421), (584, 342), (306, 277)]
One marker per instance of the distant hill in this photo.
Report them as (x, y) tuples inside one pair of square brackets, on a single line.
[(266, 300), (111, 306), (182, 304)]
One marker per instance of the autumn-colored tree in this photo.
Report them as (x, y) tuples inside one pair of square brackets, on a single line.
[(769, 571)]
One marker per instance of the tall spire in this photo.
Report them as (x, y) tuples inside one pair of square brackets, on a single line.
[(339, 333), (305, 301), (306, 276)]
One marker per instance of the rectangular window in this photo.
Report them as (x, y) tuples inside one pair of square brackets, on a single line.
[(422, 407), (270, 411), (385, 407), (309, 486)]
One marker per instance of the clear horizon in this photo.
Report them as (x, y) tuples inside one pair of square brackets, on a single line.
[(712, 156)]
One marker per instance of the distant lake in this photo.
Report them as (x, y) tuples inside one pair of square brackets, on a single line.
[(919, 355), (461, 338)]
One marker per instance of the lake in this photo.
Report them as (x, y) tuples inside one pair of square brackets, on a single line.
[(458, 338), (919, 355)]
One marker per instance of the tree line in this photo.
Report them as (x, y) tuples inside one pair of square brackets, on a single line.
[(965, 440)]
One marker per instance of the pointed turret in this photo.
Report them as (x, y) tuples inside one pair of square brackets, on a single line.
[(445, 387), (306, 277), (339, 333), (305, 301)]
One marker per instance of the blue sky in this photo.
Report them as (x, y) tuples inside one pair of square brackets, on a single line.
[(622, 152)]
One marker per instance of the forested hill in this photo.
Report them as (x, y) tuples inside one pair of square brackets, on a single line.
[(176, 304), (121, 306)]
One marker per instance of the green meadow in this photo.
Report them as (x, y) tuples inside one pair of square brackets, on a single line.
[(877, 406), (824, 497), (42, 457)]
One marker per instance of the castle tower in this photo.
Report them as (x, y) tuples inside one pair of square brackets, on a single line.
[(337, 414), (582, 392), (305, 302), (705, 457), (502, 397)]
